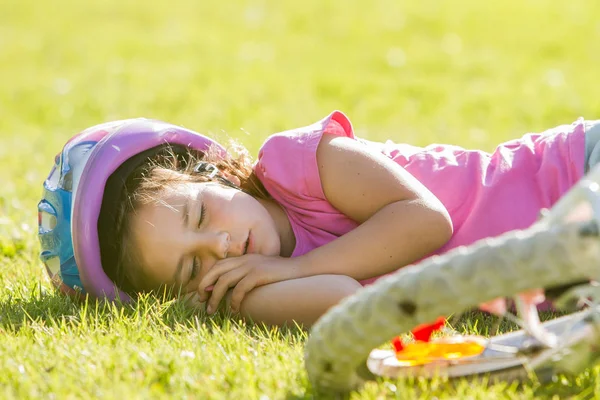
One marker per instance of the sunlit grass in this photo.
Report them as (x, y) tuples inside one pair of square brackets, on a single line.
[(469, 73)]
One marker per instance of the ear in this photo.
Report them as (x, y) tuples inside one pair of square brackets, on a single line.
[(232, 178)]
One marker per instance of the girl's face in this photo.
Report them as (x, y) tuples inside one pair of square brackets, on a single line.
[(178, 238)]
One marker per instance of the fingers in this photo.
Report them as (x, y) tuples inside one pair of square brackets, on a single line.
[(206, 284), (224, 283), (192, 300), (240, 273), (240, 291)]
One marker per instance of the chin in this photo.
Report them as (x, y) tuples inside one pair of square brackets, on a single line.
[(274, 250)]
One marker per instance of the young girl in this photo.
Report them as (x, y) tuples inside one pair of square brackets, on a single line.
[(320, 213)]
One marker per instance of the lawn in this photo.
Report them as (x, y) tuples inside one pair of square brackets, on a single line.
[(468, 72)]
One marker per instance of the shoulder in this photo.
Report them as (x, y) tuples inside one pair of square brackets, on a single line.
[(288, 159), (335, 123), (359, 180)]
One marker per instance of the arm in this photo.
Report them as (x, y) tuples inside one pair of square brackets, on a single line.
[(297, 300), (401, 220)]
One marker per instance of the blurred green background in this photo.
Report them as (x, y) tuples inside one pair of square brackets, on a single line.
[(468, 72)]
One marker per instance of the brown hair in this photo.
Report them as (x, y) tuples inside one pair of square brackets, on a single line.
[(166, 167)]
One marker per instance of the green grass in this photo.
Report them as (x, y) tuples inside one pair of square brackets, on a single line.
[(471, 73)]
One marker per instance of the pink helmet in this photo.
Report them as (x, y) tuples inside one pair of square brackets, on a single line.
[(79, 186)]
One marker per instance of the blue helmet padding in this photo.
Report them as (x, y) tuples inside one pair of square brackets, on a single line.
[(57, 201)]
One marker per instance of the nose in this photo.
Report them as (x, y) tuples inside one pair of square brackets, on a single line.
[(215, 244), (223, 242)]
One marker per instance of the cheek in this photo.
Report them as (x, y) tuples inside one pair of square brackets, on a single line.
[(268, 244), (150, 277), (144, 277)]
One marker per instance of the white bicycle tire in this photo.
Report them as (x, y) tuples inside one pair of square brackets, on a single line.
[(562, 248), (337, 350)]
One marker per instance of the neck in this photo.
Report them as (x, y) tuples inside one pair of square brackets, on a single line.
[(287, 238)]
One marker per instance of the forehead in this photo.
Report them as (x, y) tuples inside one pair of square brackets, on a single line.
[(172, 199), (163, 210)]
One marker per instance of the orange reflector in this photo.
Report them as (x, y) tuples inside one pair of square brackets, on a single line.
[(420, 353)]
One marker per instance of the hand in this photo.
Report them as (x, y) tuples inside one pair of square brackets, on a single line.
[(243, 273), (192, 300)]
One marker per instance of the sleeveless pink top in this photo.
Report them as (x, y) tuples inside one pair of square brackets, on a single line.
[(485, 194)]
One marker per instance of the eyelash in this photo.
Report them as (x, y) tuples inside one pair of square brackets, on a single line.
[(195, 263), (195, 268)]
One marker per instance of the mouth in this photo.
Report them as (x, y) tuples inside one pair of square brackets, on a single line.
[(247, 245), (249, 248)]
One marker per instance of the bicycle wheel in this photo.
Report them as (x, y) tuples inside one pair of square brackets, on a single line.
[(560, 249)]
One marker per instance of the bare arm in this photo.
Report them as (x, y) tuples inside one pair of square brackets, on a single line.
[(401, 220), (301, 300)]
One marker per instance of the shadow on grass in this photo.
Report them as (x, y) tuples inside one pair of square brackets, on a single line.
[(54, 308), (15, 312)]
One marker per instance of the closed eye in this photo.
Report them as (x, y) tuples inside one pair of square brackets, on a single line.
[(202, 214), (195, 268), (196, 261)]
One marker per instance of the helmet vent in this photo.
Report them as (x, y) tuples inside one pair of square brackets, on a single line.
[(46, 217), (52, 180), (53, 266), (47, 222)]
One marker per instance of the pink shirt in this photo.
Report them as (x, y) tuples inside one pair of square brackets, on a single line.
[(485, 194)]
